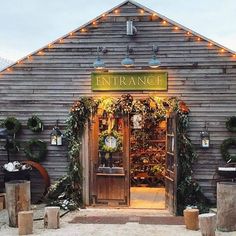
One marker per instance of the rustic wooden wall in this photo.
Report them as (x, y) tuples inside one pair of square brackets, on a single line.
[(47, 84)]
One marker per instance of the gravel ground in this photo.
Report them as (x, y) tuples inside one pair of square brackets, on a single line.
[(129, 229)]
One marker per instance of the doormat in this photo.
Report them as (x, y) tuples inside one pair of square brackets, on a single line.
[(165, 220)]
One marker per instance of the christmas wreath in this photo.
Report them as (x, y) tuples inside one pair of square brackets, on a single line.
[(35, 124), (110, 141), (35, 150), (12, 125), (225, 146), (231, 124)]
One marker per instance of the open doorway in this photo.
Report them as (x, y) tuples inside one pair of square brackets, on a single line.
[(147, 162)]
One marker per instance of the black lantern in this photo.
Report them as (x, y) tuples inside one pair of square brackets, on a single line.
[(205, 138), (56, 136)]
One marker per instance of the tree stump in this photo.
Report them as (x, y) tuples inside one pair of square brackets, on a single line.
[(207, 224), (2, 201), (226, 206), (25, 222), (52, 217), (17, 199), (191, 219)]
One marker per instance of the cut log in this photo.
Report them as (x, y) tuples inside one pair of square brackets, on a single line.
[(2, 201), (226, 206), (207, 224), (25, 222), (17, 199), (52, 217), (191, 219)]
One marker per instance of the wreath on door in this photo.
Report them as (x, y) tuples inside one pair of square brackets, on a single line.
[(35, 124), (110, 141)]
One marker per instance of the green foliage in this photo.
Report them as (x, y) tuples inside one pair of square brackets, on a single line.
[(13, 146), (67, 192), (225, 146), (35, 124), (12, 125), (35, 150), (231, 124)]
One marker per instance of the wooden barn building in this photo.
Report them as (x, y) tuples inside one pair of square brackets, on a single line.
[(110, 56)]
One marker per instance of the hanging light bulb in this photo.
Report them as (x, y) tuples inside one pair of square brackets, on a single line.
[(99, 63), (127, 61), (154, 62)]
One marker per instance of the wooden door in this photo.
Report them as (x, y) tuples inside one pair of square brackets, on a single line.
[(110, 181), (171, 164)]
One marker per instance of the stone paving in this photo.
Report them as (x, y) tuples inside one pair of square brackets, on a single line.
[(129, 228)]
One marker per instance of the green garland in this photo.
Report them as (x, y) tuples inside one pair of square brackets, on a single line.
[(231, 124), (35, 150), (227, 143), (103, 147), (69, 188), (35, 124), (12, 125)]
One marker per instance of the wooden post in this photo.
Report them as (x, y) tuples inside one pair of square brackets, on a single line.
[(25, 222), (17, 199), (226, 206), (207, 224), (52, 217), (191, 219), (2, 201)]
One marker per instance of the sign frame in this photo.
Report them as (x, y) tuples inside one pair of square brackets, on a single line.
[(129, 81)]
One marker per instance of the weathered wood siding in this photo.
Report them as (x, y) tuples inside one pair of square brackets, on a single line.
[(46, 85)]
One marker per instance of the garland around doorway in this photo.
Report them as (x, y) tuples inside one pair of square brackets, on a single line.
[(67, 192)]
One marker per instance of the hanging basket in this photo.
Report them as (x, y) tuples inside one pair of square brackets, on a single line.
[(225, 146), (35, 150), (231, 124), (35, 124), (12, 125)]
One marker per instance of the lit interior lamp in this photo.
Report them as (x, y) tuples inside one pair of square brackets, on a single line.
[(154, 62), (56, 136), (205, 138), (99, 63), (127, 61)]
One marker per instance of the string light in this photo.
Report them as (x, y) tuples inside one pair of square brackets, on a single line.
[(142, 11), (188, 33), (61, 40), (234, 55), (198, 39), (8, 69), (40, 53), (94, 23), (210, 44), (116, 11), (83, 30), (71, 33), (103, 15), (154, 14), (164, 22), (18, 62), (222, 50), (176, 28), (49, 45)]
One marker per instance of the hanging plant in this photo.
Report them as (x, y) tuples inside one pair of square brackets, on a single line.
[(35, 124), (12, 146), (12, 125), (225, 146), (110, 141), (35, 150), (231, 124)]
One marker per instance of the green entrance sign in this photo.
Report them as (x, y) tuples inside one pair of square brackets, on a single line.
[(115, 81)]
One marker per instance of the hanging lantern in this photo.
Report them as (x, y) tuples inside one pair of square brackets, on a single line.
[(56, 136), (205, 138)]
